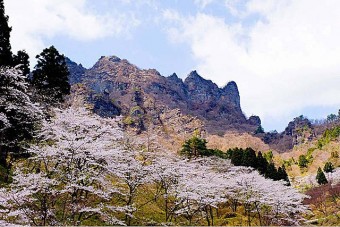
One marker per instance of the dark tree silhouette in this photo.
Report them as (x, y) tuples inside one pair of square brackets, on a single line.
[(320, 177), (22, 59), (5, 45), (50, 76)]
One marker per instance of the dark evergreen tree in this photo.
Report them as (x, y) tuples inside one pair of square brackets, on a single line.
[(328, 168), (194, 147), (50, 76), (262, 163), (249, 158), (237, 156), (271, 172), (22, 59), (320, 177), (282, 174), (229, 153), (5, 45)]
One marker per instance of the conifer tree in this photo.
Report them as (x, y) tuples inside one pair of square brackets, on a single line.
[(282, 174), (271, 172), (262, 163), (237, 156), (5, 45), (22, 59), (50, 76), (320, 177), (328, 168), (249, 158), (194, 147)]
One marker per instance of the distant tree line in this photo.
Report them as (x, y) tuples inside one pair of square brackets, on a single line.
[(248, 157), (196, 147)]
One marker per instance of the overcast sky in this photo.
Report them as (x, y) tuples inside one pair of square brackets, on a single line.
[(283, 54)]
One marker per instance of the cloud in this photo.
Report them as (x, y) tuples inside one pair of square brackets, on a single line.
[(203, 3), (34, 21), (284, 60)]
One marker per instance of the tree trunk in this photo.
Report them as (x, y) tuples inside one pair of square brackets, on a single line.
[(3, 156), (211, 215)]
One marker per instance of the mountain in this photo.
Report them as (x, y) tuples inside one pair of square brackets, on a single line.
[(77, 71), (115, 86), (299, 130)]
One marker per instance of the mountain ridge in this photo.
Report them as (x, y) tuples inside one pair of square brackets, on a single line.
[(115, 86)]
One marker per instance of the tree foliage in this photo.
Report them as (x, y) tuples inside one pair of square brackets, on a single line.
[(5, 45), (194, 147), (328, 168), (320, 177), (303, 162), (83, 171), (21, 59), (50, 75), (329, 135), (18, 114), (66, 180), (248, 157)]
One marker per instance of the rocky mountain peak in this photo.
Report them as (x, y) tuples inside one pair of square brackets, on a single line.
[(77, 71), (195, 78), (195, 82), (231, 91), (116, 86), (173, 76), (110, 58), (194, 74), (231, 87)]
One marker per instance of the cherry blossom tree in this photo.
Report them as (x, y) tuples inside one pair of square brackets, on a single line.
[(65, 182), (85, 168), (130, 171), (18, 114), (205, 186)]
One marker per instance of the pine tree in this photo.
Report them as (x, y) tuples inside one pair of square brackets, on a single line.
[(271, 172), (282, 174), (237, 156), (194, 147), (328, 168), (22, 59), (50, 76), (249, 158), (320, 177), (5, 46), (262, 163)]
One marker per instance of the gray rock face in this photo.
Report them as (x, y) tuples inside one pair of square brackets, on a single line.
[(231, 91), (77, 72), (114, 85)]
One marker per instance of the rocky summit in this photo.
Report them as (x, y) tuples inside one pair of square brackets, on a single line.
[(117, 87)]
